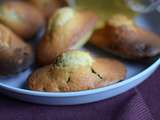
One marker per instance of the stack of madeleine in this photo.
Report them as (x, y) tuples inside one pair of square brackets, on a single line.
[(61, 31)]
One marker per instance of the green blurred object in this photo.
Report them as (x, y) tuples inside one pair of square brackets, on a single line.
[(105, 8)]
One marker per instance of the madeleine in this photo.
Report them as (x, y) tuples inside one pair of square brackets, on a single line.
[(15, 54), (67, 29), (122, 37), (25, 20), (48, 7), (76, 71)]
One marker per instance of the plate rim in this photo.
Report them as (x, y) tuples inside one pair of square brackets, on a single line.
[(80, 93)]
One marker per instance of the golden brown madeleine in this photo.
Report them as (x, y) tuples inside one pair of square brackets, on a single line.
[(48, 7), (15, 54), (76, 71), (67, 29), (22, 18), (122, 37), (109, 69)]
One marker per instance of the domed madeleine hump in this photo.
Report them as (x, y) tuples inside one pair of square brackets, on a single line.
[(74, 59), (61, 17)]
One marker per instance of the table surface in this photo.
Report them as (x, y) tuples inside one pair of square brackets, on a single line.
[(11, 109)]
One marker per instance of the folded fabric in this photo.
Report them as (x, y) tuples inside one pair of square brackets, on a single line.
[(135, 109), (132, 105)]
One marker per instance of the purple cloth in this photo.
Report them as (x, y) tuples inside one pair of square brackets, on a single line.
[(141, 103)]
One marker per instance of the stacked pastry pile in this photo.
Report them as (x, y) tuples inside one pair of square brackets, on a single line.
[(63, 67)]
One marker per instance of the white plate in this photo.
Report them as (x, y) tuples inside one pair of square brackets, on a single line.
[(136, 74)]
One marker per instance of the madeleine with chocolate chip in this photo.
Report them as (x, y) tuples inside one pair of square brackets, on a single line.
[(75, 71)]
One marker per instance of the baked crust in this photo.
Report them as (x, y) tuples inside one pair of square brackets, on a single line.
[(122, 37), (48, 7), (15, 54), (23, 18), (74, 71), (68, 29)]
